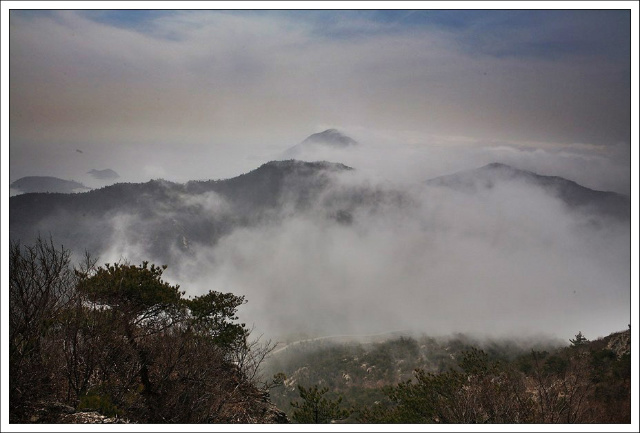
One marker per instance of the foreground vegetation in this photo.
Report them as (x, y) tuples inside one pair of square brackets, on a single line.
[(458, 380), (119, 340)]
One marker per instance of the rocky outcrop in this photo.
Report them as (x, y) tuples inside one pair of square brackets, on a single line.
[(90, 418), (620, 343), (256, 412), (54, 412)]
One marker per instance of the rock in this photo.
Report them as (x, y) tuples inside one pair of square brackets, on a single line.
[(90, 418), (620, 343)]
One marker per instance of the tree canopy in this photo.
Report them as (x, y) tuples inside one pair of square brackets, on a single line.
[(120, 339), (315, 408)]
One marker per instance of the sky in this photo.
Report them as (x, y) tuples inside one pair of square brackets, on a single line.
[(211, 94)]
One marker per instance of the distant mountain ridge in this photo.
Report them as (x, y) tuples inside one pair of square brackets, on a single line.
[(107, 173), (30, 184), (170, 215), (571, 193), (167, 218)]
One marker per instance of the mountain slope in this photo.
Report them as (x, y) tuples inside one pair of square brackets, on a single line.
[(574, 195), (163, 216), (596, 374)]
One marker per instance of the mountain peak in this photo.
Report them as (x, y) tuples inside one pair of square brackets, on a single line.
[(103, 174), (498, 165), (330, 137), (290, 164), (327, 139)]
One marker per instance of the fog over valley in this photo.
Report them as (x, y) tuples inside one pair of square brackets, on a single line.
[(322, 248)]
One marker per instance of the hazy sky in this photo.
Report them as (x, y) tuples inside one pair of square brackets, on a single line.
[(206, 94)]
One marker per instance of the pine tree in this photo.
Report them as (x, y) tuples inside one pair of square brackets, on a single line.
[(316, 409), (579, 340)]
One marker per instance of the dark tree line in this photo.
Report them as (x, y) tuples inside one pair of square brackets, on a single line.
[(120, 340)]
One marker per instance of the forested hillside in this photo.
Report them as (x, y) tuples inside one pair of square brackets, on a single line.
[(457, 379)]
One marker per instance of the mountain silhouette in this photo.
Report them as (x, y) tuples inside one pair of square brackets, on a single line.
[(574, 195), (47, 184), (166, 218), (103, 174), (328, 139), (164, 215)]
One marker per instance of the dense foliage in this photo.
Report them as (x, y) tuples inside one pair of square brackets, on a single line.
[(315, 408), (120, 340)]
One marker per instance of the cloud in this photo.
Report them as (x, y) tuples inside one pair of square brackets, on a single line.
[(406, 157), (511, 260), (220, 85)]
